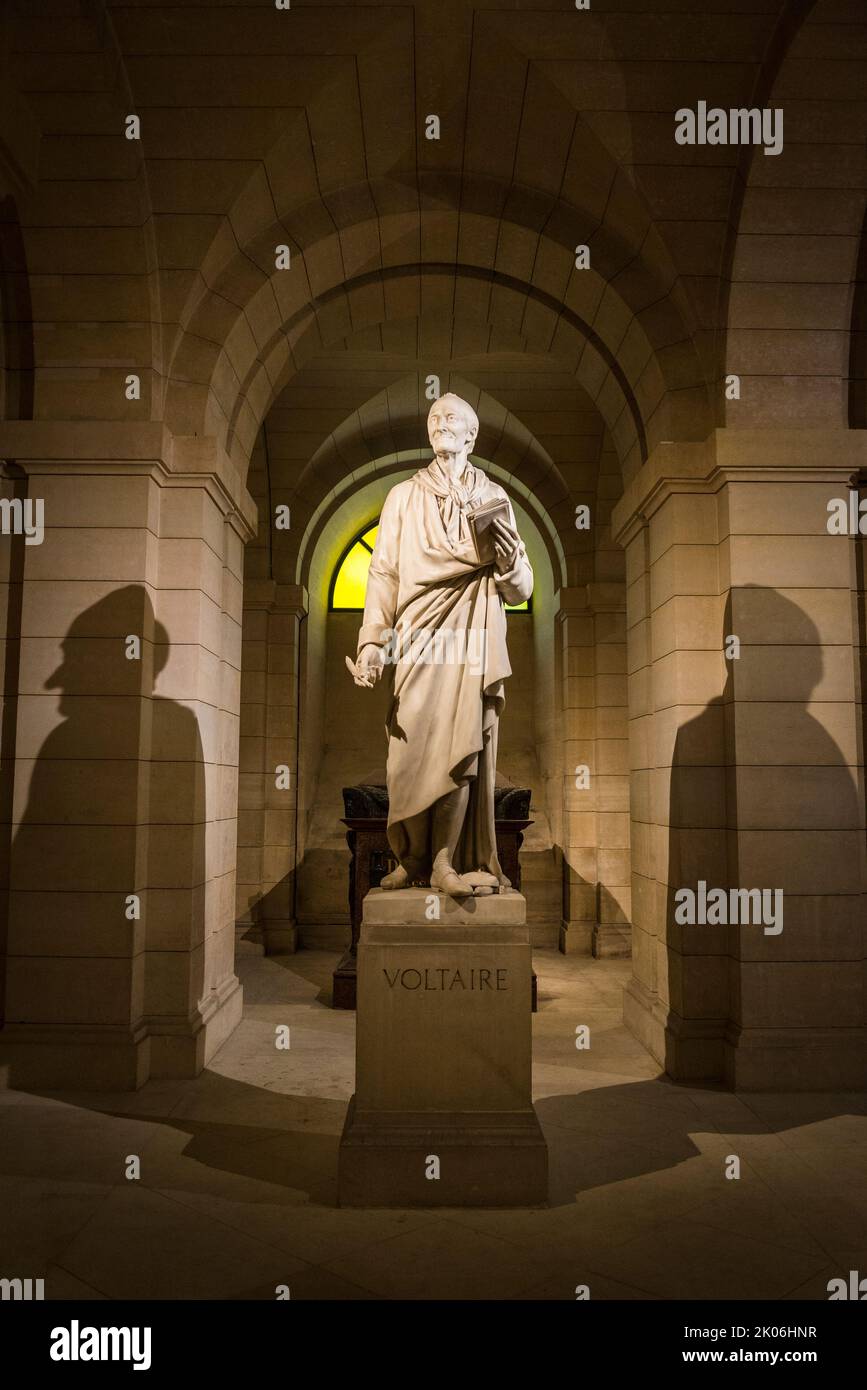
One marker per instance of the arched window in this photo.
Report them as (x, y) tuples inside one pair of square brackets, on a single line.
[(349, 580)]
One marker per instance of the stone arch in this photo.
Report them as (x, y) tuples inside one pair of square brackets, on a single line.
[(637, 357), (367, 450), (388, 467), (795, 254), (96, 284), (333, 756)]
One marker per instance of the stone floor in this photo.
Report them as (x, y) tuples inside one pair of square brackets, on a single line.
[(237, 1186)]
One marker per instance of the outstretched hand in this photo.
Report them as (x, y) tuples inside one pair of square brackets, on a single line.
[(367, 670), (507, 544)]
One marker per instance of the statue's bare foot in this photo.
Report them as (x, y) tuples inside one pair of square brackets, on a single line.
[(446, 880)]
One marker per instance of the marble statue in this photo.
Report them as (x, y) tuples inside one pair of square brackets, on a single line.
[(435, 626)]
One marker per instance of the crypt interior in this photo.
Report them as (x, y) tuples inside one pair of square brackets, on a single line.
[(221, 338)]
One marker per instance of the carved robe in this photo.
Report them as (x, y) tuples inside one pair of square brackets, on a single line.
[(441, 620)]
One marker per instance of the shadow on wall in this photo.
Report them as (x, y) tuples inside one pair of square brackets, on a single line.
[(761, 797), (272, 917), (116, 806)]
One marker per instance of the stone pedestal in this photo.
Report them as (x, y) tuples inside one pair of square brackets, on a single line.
[(366, 824), (118, 864), (443, 1055)]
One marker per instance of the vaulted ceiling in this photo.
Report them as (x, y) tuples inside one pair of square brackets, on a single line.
[(306, 128)]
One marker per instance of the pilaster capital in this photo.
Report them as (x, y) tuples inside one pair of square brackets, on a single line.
[(569, 601), (117, 447), (606, 597), (586, 599), (291, 598), (266, 595), (836, 457), (259, 595)]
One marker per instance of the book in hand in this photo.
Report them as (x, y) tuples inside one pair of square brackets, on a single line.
[(480, 528)]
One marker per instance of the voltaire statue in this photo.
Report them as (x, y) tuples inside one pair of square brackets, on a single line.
[(435, 622)]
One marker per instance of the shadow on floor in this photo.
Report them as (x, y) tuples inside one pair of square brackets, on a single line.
[(596, 1138), (312, 971)]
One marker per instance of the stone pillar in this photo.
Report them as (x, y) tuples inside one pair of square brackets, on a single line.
[(677, 1001), (192, 998), (576, 669), (612, 934), (13, 494), (746, 765), (267, 827), (592, 631), (258, 601), (795, 764), (120, 912)]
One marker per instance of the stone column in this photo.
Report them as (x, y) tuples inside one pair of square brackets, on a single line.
[(677, 1001), (120, 916), (269, 741), (13, 495), (258, 601), (593, 659), (746, 733), (612, 934), (795, 774), (576, 668), (192, 998)]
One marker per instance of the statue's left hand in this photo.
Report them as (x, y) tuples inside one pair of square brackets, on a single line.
[(368, 667), (507, 544)]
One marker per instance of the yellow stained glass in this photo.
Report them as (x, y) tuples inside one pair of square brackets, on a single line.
[(350, 583)]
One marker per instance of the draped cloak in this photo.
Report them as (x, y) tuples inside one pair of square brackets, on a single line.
[(441, 620)]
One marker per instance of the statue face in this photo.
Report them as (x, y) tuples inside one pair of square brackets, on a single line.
[(449, 428)]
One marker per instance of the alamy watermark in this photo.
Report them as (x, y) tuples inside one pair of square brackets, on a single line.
[(854, 1288), (22, 1290), (730, 907), (847, 516), (737, 126), (77, 1343), (23, 517), (437, 647)]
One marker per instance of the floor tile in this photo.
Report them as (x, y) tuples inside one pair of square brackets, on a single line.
[(237, 1193)]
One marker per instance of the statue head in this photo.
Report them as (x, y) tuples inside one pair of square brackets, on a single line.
[(452, 427)]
